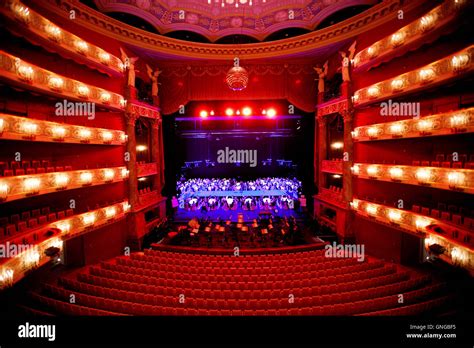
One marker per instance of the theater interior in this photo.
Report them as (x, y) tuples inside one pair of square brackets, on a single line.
[(236, 158)]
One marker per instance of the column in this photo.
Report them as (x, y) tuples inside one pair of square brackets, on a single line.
[(131, 119), (348, 155), (161, 156), (155, 153), (322, 150)]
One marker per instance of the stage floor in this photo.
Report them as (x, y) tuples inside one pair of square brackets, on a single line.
[(183, 215)]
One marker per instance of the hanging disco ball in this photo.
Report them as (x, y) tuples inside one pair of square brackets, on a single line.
[(237, 78)]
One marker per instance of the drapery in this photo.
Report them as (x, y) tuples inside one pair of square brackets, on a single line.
[(182, 84)]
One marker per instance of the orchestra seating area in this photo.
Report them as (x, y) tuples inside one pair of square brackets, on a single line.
[(295, 283)]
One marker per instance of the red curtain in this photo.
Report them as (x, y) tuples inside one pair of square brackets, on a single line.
[(181, 84)]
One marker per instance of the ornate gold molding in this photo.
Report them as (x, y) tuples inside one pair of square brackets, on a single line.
[(139, 109), (372, 18), (339, 105)]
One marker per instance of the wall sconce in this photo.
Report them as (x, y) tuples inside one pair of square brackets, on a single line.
[(32, 186), (372, 171), (53, 32), (105, 97), (29, 130), (22, 12), (107, 137), (110, 212), (373, 132), (4, 188), (372, 51), (397, 130), (61, 181), (460, 62), (355, 133), (55, 83), (124, 173), (109, 175), (425, 127), (126, 207), (123, 102), (397, 39), (371, 209), (81, 46), (355, 97), (421, 223), (395, 216), (141, 148), (396, 174), (456, 179), (2, 125), (373, 92), (85, 135), (104, 57), (88, 219), (427, 22), (25, 73), (426, 75), (123, 137), (397, 84), (355, 170), (86, 178), (354, 204), (337, 145), (83, 91), (459, 123), (423, 175), (58, 133), (64, 227)]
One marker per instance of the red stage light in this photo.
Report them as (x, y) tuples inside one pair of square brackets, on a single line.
[(211, 113), (271, 113), (229, 112), (203, 113), (246, 111), (264, 112)]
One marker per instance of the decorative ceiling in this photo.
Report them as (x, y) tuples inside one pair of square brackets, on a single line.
[(256, 18)]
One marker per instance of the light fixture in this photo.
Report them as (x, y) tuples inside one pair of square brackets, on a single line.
[(22, 12), (229, 112), (337, 176), (394, 215), (355, 169), (237, 78), (426, 75), (455, 179), (421, 223), (355, 133), (372, 51), (397, 38), (84, 134), (124, 173), (460, 62), (6, 277), (110, 212), (56, 83), (32, 186), (105, 97), (373, 132), (371, 209), (337, 145), (3, 191), (83, 91), (123, 137), (107, 137), (397, 84), (203, 113), (104, 57), (61, 181), (88, 219), (29, 129), (123, 102), (373, 92), (427, 22), (126, 207), (458, 255), (425, 126), (142, 179), (246, 111), (81, 46), (354, 204), (53, 32), (372, 171), (64, 226), (109, 175), (86, 178), (423, 175), (141, 148), (25, 73), (32, 257), (396, 173), (396, 130), (459, 122), (271, 113), (2, 125)]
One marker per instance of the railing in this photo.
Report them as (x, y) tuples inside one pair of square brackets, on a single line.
[(147, 169), (334, 167)]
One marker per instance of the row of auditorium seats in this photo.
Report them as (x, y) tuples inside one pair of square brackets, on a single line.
[(29, 220), (448, 161), (335, 188), (144, 190), (170, 283), (15, 168), (451, 213)]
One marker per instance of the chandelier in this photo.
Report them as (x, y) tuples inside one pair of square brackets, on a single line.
[(237, 78), (235, 3)]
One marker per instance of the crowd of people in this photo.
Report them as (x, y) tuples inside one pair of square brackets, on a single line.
[(268, 194)]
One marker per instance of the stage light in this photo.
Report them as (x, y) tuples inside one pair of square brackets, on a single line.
[(372, 51), (264, 112), (237, 112), (212, 113), (22, 11), (271, 113), (61, 181), (203, 113), (32, 185), (246, 111), (141, 148), (126, 207), (337, 145), (229, 112)]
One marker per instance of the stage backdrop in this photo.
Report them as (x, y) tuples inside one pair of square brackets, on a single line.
[(181, 84)]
